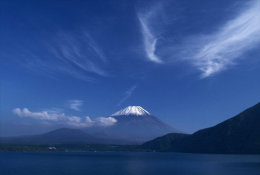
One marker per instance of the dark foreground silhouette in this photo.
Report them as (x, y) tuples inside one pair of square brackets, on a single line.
[(239, 134)]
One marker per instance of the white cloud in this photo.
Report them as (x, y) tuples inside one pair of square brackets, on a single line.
[(128, 94), (61, 118), (149, 39), (43, 115), (74, 119), (75, 104), (219, 50), (78, 122), (106, 121)]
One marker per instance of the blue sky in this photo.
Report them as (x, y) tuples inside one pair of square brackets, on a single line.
[(73, 63)]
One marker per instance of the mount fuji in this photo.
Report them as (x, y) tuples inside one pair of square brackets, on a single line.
[(134, 125)]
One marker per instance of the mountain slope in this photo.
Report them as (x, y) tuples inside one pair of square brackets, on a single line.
[(135, 125), (240, 134), (164, 142)]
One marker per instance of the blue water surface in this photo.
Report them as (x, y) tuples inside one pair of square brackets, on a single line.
[(126, 163)]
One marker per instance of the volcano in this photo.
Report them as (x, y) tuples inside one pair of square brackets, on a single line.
[(135, 125)]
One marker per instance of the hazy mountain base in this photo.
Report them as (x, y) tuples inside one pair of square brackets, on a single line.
[(62, 136), (128, 130), (238, 135)]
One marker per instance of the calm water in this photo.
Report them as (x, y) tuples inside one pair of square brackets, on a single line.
[(105, 163)]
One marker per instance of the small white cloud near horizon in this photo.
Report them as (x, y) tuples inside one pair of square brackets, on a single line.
[(43, 115), (75, 104), (149, 39), (79, 122), (61, 118), (106, 121)]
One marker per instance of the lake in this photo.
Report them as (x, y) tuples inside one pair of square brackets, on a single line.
[(126, 163)]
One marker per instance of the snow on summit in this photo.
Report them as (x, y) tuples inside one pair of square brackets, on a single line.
[(132, 110)]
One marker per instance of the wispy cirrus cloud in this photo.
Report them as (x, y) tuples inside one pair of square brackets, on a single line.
[(75, 104), (221, 49), (75, 54), (212, 52), (61, 118), (79, 51), (149, 39), (94, 46), (127, 94)]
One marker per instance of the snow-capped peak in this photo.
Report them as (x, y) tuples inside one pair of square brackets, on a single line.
[(132, 110)]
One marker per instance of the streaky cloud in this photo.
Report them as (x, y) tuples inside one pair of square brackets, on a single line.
[(80, 51), (74, 54), (127, 94), (221, 49), (209, 53), (149, 39), (94, 46)]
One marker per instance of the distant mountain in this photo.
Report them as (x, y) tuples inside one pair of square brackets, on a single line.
[(134, 125), (59, 136), (240, 134)]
